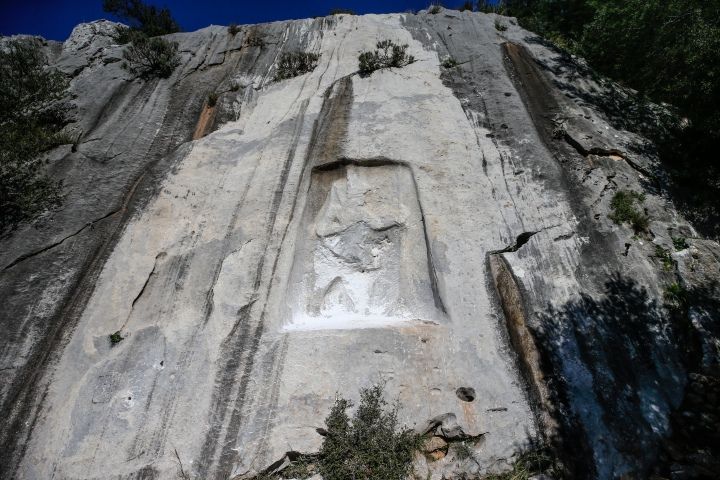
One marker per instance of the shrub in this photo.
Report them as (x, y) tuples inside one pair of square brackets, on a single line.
[(124, 35), (663, 254), (33, 112), (624, 211), (151, 57), (368, 446), (254, 40), (341, 11), (293, 64), (148, 19), (212, 99), (499, 26), (233, 29), (462, 451), (116, 338), (434, 8), (468, 5), (449, 62), (675, 296), (529, 465), (388, 54), (680, 243)]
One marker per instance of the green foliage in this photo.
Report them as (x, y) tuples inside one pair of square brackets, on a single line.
[(670, 52), (387, 55), (528, 465), (116, 338), (435, 8), (368, 446), (124, 35), (212, 99), (341, 11), (32, 115), (675, 296), (462, 451), (233, 29), (623, 205), (151, 56), (663, 254), (303, 467), (499, 26), (449, 62), (254, 39), (680, 243), (467, 6), (148, 19), (293, 64)]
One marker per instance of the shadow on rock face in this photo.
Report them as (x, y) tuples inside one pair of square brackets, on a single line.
[(616, 368)]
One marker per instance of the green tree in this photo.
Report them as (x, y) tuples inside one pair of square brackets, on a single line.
[(32, 115), (368, 446), (150, 20), (669, 52), (150, 56)]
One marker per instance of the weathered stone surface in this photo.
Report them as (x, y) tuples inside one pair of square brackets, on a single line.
[(322, 233)]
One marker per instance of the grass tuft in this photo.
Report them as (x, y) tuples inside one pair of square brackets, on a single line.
[(623, 205)]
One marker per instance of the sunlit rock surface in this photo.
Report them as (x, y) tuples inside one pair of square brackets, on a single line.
[(442, 230)]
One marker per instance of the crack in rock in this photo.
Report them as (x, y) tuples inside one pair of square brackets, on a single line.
[(34, 253), (521, 240), (603, 152)]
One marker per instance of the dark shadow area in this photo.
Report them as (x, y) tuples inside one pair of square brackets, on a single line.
[(693, 449), (620, 360), (610, 358)]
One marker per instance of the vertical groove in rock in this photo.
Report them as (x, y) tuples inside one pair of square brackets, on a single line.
[(523, 342)]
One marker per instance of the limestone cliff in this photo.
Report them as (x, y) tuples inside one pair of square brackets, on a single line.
[(441, 229)]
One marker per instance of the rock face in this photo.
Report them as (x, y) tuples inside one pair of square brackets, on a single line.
[(442, 230)]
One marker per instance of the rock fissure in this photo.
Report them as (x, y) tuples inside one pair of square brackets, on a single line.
[(39, 251), (521, 240)]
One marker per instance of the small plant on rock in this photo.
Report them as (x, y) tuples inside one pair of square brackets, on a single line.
[(663, 254), (293, 64), (449, 62), (680, 243), (435, 8), (116, 338), (462, 451), (623, 205), (675, 296), (254, 40), (370, 445), (212, 99), (341, 11), (387, 55), (151, 57), (531, 464), (233, 29), (467, 6), (499, 26)]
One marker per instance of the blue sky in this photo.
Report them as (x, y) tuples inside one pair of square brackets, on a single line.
[(54, 19)]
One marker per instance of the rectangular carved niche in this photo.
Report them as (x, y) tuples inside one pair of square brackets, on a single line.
[(361, 259)]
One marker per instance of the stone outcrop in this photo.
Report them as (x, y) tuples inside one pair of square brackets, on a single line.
[(442, 230)]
